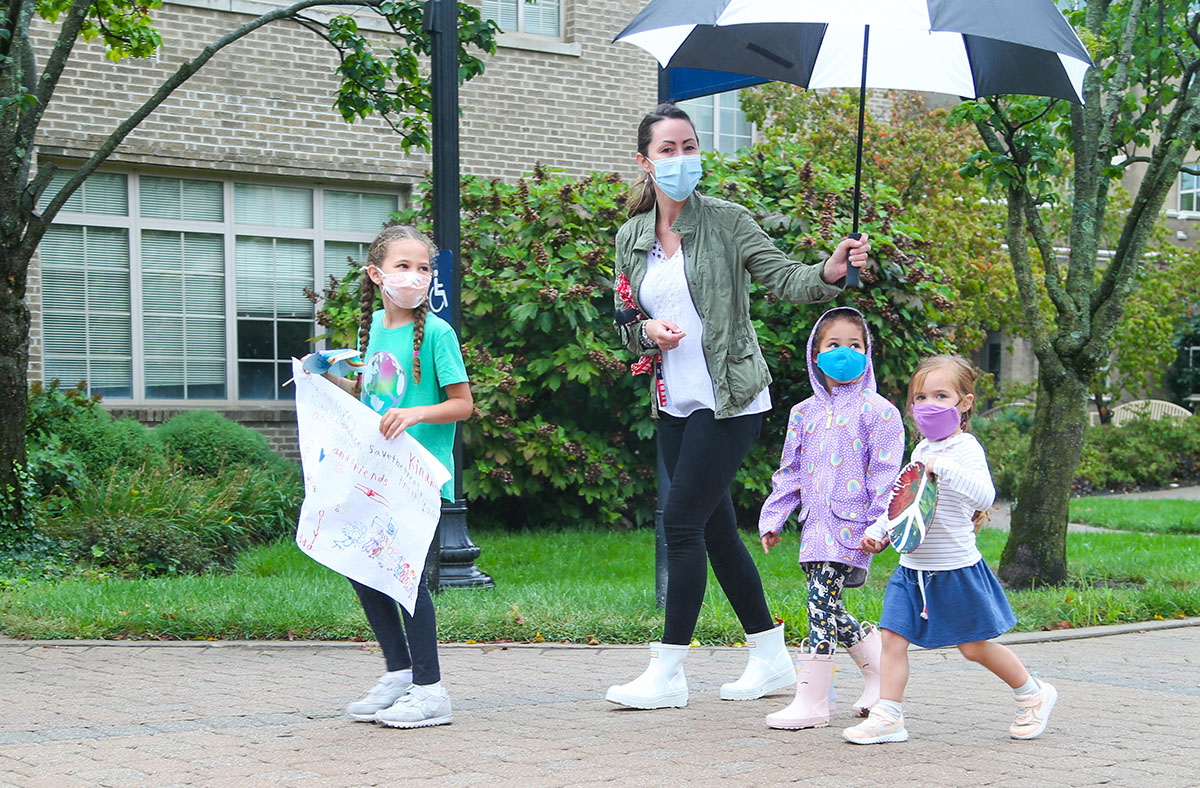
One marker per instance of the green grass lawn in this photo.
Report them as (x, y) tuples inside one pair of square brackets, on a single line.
[(1168, 516), (568, 586)]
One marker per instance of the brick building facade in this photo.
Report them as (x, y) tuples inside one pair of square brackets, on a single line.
[(249, 174)]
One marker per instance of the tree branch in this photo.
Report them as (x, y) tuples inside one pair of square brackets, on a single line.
[(1119, 85), (1166, 159), (1067, 308), (1018, 252), (317, 28), (1109, 298), (68, 34), (37, 225)]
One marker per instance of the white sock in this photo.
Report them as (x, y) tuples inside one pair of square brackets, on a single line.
[(892, 707), (402, 675), (1028, 689), (434, 687)]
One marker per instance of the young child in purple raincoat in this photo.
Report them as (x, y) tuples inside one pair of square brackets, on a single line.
[(842, 452)]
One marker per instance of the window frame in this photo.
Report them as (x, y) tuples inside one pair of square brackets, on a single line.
[(715, 132), (134, 224), (521, 23), (1194, 192)]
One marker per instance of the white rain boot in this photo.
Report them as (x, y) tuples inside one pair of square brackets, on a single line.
[(810, 709), (661, 686), (867, 654), (768, 668)]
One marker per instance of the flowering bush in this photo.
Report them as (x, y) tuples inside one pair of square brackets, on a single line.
[(561, 435)]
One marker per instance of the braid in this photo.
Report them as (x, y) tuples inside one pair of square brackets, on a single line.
[(418, 337), (366, 302)]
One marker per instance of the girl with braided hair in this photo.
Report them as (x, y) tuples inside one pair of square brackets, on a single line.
[(415, 379)]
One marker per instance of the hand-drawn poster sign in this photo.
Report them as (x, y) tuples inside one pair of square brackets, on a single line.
[(370, 505)]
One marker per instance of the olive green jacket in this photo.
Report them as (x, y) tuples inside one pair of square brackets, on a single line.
[(723, 248)]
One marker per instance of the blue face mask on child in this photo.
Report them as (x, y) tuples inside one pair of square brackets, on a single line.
[(842, 363)]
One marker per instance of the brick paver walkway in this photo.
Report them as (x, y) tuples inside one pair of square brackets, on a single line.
[(269, 714)]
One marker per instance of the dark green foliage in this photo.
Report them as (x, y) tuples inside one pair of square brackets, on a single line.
[(70, 437), (1138, 453), (1007, 448), (162, 520), (103, 494), (562, 434), (205, 442), (1141, 453)]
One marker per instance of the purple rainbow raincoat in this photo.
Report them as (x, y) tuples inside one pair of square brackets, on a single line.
[(841, 455)]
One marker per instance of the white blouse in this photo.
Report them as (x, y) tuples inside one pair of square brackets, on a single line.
[(665, 295)]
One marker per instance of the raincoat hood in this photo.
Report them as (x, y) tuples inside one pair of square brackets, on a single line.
[(866, 382)]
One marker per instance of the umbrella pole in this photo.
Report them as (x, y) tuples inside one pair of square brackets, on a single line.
[(852, 278)]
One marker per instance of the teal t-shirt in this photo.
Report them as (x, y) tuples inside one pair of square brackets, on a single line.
[(388, 381)]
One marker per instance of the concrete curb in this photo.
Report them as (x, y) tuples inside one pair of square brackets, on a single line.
[(1012, 638)]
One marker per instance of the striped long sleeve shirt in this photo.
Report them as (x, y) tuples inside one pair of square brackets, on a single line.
[(964, 487)]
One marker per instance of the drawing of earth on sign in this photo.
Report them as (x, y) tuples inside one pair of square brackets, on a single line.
[(383, 382)]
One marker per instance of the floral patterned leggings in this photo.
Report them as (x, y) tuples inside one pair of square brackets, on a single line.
[(828, 620)]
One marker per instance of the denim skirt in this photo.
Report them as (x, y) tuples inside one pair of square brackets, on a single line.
[(962, 606)]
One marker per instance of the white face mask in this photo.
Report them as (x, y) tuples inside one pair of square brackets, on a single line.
[(406, 289)]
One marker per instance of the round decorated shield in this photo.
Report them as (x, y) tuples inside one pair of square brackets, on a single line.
[(910, 510)]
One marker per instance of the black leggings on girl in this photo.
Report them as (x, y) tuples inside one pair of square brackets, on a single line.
[(829, 622), (702, 455), (419, 650)]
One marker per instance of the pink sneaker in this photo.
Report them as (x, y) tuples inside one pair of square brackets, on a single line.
[(878, 728), (1034, 712)]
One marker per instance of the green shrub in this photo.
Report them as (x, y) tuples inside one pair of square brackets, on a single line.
[(161, 519), (205, 442), (1138, 453), (1141, 452), (1007, 448), (67, 430)]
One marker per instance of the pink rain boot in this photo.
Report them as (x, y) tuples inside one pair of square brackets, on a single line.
[(810, 709), (866, 654)]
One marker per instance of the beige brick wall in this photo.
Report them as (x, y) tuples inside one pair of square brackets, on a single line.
[(264, 104), (576, 113), (263, 107)]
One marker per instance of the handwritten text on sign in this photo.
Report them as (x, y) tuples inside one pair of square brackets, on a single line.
[(370, 505)]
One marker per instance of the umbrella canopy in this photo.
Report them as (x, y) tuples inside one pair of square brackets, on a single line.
[(965, 48)]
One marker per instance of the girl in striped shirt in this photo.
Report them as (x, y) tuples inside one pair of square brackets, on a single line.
[(943, 593)]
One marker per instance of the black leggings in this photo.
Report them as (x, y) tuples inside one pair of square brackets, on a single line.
[(702, 455), (419, 651), (829, 622)]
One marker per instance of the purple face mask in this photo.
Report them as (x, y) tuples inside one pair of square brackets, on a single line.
[(936, 422)]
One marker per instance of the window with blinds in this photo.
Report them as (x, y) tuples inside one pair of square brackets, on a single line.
[(274, 318), (720, 123), (538, 17), (1189, 188), (86, 328), (197, 292)]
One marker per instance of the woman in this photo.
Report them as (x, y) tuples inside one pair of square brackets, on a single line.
[(683, 265)]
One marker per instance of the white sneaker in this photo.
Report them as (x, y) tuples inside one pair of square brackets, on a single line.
[(1034, 712), (420, 707), (389, 689)]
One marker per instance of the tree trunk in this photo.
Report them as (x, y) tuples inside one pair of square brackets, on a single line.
[(14, 364), (1036, 551)]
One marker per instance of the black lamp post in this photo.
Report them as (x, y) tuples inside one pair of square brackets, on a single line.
[(456, 560)]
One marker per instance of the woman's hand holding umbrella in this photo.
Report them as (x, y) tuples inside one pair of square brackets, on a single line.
[(854, 251)]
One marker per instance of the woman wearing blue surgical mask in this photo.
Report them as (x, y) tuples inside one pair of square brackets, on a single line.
[(683, 267)]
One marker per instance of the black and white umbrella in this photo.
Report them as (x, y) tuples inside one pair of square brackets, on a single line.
[(966, 48)]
